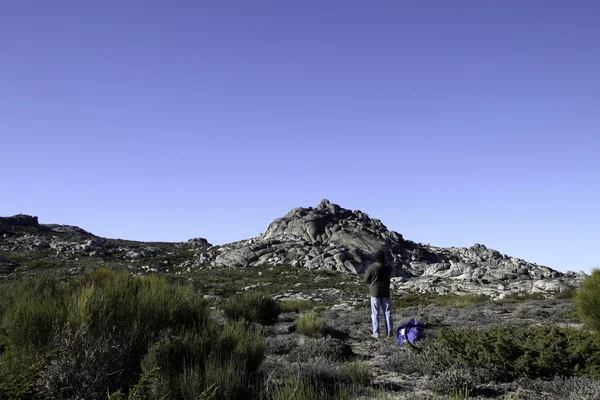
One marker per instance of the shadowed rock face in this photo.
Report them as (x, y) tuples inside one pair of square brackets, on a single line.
[(18, 222), (333, 238)]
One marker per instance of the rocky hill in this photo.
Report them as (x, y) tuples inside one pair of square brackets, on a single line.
[(28, 247), (331, 237), (327, 237)]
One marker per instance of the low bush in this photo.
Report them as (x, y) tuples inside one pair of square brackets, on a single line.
[(357, 373), (190, 363), (327, 348), (573, 388), (253, 307), (300, 387), (567, 294), (31, 312), (422, 361), (281, 344), (310, 324), (464, 300), (87, 337), (521, 297), (299, 306), (468, 356), (587, 300), (112, 318), (446, 300), (412, 300), (531, 311), (320, 308), (452, 381)]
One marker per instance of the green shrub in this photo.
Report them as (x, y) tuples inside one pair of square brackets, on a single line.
[(570, 315), (521, 297), (310, 324), (189, 364), (587, 300), (300, 388), (253, 307), (136, 392), (31, 312), (412, 300), (22, 386), (464, 300), (458, 357), (304, 388), (134, 307), (460, 393), (566, 294), (298, 305), (357, 373), (320, 308), (326, 348), (281, 344), (447, 300), (453, 382), (573, 388), (90, 334), (113, 317)]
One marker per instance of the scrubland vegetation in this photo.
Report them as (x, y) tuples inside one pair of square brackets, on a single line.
[(112, 334)]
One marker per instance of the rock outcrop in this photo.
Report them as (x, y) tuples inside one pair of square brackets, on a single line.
[(28, 247), (333, 238), (327, 237)]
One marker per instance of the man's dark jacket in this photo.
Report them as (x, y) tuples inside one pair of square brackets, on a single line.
[(378, 277)]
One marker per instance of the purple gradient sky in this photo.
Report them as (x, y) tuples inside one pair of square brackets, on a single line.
[(454, 122)]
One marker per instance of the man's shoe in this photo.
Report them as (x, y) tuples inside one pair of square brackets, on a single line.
[(375, 335)]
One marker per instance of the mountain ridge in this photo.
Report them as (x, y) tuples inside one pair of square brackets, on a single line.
[(326, 237)]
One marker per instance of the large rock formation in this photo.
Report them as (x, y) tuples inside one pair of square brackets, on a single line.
[(325, 237), (330, 237)]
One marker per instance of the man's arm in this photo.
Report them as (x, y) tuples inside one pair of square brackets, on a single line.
[(368, 276)]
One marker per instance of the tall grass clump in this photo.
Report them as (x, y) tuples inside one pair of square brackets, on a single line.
[(225, 359), (357, 372), (304, 388), (587, 300), (253, 307), (310, 324), (297, 387), (135, 308), (112, 317), (87, 337), (298, 306), (32, 313), (328, 348)]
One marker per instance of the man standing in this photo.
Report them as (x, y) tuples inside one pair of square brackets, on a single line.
[(378, 277)]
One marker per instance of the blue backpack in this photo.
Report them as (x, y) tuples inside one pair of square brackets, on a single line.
[(410, 331)]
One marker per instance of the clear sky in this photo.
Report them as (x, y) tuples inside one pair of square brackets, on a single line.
[(454, 122)]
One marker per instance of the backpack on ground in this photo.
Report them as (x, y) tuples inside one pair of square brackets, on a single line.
[(410, 331)]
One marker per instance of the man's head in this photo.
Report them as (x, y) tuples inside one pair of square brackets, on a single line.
[(380, 256)]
